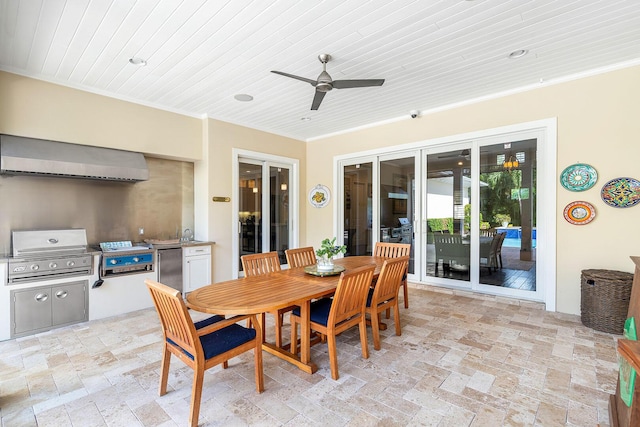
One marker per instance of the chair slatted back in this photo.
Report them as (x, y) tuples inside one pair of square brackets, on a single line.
[(390, 279), (489, 232), (300, 257), (350, 298), (259, 264), (391, 250), (177, 324)]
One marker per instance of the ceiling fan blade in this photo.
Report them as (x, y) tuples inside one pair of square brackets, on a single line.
[(304, 79), (345, 84), (317, 99)]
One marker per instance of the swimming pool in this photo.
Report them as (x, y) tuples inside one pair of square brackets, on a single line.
[(511, 242)]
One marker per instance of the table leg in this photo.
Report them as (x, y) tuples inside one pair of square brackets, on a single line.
[(304, 361), (305, 332)]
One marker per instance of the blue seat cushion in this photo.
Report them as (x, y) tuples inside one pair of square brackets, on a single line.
[(370, 297), (319, 311), (220, 341)]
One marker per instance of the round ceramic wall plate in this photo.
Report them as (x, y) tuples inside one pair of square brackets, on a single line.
[(579, 213), (621, 192), (578, 177), (319, 196)]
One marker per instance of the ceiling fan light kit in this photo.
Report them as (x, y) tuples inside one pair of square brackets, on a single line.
[(324, 83)]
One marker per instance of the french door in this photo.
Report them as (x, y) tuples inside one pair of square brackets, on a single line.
[(266, 205)]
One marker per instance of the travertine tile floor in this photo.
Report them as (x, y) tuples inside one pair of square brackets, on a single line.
[(462, 360)]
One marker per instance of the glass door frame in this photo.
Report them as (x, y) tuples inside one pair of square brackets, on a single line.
[(473, 268), (267, 161), (542, 205)]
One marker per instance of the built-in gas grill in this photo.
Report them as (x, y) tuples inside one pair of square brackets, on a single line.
[(48, 282), (49, 254)]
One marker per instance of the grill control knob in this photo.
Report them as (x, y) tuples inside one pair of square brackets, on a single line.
[(136, 259), (113, 262), (70, 263), (52, 265), (34, 267)]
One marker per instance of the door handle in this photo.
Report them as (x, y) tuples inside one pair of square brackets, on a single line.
[(41, 297), (61, 294)]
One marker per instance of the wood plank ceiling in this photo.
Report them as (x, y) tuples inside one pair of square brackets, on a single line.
[(200, 54)]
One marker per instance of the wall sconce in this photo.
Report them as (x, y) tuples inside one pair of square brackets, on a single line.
[(255, 189), (283, 186), (511, 163)]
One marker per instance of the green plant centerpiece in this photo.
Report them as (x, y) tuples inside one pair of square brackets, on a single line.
[(328, 249)]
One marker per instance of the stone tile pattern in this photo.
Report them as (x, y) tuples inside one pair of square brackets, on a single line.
[(462, 360)]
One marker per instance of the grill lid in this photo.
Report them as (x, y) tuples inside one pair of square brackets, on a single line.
[(49, 242)]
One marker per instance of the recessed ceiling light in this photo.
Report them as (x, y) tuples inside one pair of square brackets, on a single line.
[(243, 97), (518, 53), (305, 119), (137, 61)]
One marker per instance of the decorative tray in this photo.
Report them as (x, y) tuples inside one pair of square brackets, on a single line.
[(579, 213), (621, 192), (578, 177), (313, 270)]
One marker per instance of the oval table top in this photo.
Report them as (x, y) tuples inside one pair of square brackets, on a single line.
[(270, 292)]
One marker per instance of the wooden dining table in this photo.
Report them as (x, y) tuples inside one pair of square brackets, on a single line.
[(270, 292)]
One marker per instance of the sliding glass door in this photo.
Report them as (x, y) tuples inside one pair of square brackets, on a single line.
[(357, 205), (507, 215), (447, 193), (469, 210), (397, 202)]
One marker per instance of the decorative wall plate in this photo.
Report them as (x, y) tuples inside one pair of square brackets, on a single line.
[(621, 192), (319, 196), (579, 213), (578, 177)]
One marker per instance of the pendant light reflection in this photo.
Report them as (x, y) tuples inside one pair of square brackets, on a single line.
[(511, 163)]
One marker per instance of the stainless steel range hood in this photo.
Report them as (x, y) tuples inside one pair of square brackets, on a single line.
[(28, 156)]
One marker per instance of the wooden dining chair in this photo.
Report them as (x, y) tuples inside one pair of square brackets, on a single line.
[(384, 296), (257, 265), (394, 250), (203, 344), (332, 316), (300, 257)]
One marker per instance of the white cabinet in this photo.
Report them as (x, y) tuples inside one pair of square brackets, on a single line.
[(196, 267)]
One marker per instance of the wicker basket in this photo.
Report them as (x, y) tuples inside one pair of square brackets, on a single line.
[(605, 299)]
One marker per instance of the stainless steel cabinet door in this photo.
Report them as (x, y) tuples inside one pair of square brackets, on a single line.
[(69, 303), (31, 310)]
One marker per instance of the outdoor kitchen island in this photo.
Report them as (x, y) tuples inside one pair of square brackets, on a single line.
[(45, 289)]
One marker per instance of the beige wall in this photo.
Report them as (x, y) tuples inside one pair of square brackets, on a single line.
[(598, 123), (223, 138), (43, 110)]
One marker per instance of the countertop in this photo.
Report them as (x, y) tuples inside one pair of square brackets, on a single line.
[(159, 244)]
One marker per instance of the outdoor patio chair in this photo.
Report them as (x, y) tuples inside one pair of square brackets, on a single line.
[(203, 344)]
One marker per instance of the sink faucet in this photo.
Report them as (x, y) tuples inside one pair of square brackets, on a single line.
[(186, 235)]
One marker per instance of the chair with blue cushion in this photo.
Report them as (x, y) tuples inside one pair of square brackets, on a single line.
[(332, 316), (384, 295), (202, 345), (258, 265)]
